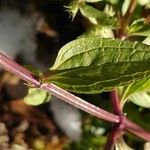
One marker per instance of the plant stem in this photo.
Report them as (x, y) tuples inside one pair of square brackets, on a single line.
[(117, 127), (136, 130), (112, 137), (124, 21), (79, 103), (11, 66), (16, 69), (130, 10), (115, 103)]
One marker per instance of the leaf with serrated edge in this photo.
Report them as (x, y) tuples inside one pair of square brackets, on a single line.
[(94, 64)]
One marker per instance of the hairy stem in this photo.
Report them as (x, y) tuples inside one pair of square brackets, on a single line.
[(136, 130), (79, 103), (112, 138), (116, 103), (16, 69), (117, 127), (11, 66), (124, 21)]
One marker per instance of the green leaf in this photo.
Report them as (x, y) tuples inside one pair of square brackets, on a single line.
[(94, 64), (98, 31), (36, 96), (73, 8), (114, 1), (121, 145), (97, 17), (147, 6), (135, 87), (125, 6), (143, 2), (146, 41), (136, 25), (139, 28), (141, 99), (109, 10), (141, 33)]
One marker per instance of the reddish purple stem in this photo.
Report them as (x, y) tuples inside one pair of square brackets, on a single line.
[(115, 103), (79, 103), (117, 127), (19, 71), (11, 66), (112, 137), (136, 130)]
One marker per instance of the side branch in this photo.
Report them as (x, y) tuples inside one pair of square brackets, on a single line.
[(136, 130)]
